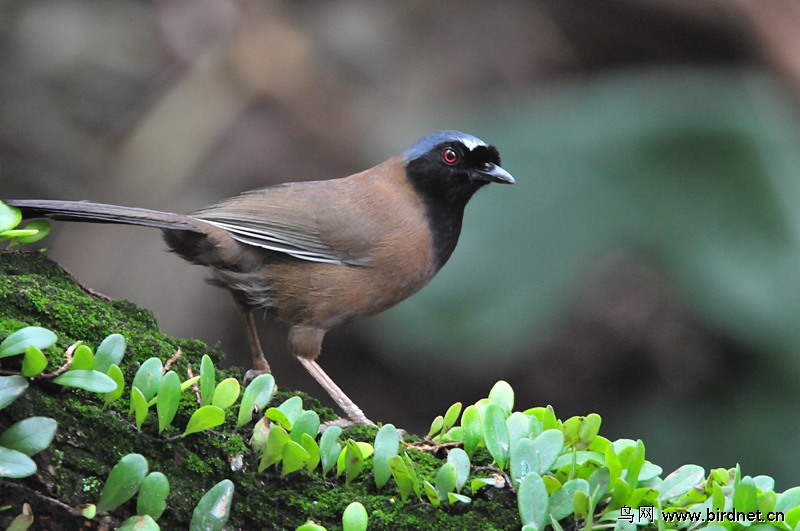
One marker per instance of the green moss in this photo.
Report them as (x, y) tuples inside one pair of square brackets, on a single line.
[(90, 440)]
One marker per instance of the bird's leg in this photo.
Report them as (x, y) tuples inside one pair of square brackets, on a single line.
[(352, 411), (260, 365)]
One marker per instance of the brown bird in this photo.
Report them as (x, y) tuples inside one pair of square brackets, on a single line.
[(322, 253)]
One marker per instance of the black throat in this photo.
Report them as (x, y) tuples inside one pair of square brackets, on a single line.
[(444, 195)]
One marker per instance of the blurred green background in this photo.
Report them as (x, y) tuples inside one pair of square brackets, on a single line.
[(644, 267)]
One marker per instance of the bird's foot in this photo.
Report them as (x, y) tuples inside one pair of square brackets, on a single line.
[(252, 373)]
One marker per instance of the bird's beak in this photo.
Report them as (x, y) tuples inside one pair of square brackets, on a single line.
[(493, 173)]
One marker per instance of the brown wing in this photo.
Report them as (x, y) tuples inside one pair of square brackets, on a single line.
[(338, 221)]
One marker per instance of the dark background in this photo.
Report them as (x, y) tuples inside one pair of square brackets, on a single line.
[(646, 266)]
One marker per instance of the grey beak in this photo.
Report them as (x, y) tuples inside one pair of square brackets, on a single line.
[(494, 173)]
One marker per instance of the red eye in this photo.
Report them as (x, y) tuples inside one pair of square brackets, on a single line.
[(450, 156)]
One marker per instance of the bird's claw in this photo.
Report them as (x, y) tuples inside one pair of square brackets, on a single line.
[(252, 373)]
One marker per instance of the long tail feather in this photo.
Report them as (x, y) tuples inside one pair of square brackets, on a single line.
[(101, 213)]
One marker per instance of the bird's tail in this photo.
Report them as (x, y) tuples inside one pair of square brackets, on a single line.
[(100, 213)]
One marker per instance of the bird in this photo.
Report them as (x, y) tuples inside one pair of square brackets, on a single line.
[(317, 254)]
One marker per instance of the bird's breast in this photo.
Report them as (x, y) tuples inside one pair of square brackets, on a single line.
[(395, 246)]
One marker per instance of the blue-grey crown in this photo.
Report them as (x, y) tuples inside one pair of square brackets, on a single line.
[(425, 144)]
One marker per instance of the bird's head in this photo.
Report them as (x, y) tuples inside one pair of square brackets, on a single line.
[(445, 169), (454, 162)]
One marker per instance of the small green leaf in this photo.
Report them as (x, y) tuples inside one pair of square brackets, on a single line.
[(793, 518), (205, 418), (148, 377), (273, 448), (581, 505), (366, 449), (546, 416), (115, 374), (291, 408), (496, 434), (123, 482), (788, 500), (613, 464), (17, 235), (93, 381), (570, 429), (353, 461), (294, 457), (720, 475), (717, 497), (140, 522), (620, 491), (286, 413), (355, 518), (536, 428), (40, 229), (22, 521), (152, 499), (451, 416), (139, 407), (310, 446), (446, 480), (551, 483), (598, 483), (649, 472), (533, 501), (88, 511), (473, 429), (680, 482), (436, 426), (460, 460), (14, 464), (400, 475), (430, 492), (10, 217), (82, 359), (503, 395), (306, 423), (169, 397), (260, 433), (561, 502), (764, 483), (454, 497), (34, 362), (478, 483), (19, 341), (226, 393), (329, 448), (110, 352), (278, 417), (548, 445), (744, 495), (29, 436), (214, 508), (207, 380), (11, 388), (524, 460), (413, 475), (256, 396), (635, 465), (765, 501), (588, 430), (387, 444), (481, 405), (518, 426)]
